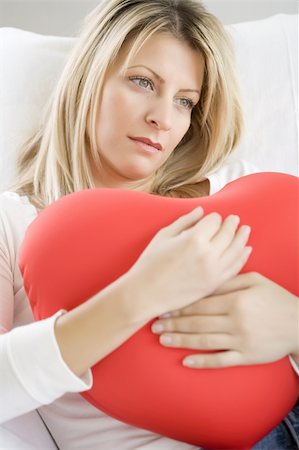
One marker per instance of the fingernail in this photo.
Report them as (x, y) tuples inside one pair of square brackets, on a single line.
[(246, 229), (166, 340), (157, 327), (197, 211), (189, 362), (235, 219), (216, 215)]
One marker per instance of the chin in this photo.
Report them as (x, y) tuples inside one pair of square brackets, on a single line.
[(138, 173)]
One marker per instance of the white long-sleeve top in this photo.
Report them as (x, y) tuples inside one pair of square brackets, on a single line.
[(34, 380)]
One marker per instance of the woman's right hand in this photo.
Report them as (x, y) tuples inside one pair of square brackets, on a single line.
[(185, 261), (188, 260)]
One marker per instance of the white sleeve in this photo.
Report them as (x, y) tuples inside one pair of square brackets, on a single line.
[(229, 172), (32, 370), (295, 365)]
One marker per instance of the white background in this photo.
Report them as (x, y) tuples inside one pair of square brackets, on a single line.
[(63, 18)]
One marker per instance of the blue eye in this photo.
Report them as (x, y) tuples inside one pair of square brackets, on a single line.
[(186, 103), (147, 84), (142, 82)]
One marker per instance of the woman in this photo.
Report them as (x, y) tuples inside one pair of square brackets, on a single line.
[(124, 116)]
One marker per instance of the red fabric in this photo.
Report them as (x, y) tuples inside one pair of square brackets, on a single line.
[(86, 240)]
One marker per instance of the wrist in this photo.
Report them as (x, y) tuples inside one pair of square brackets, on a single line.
[(136, 306), (95, 328)]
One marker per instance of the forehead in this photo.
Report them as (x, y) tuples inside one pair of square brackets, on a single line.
[(169, 57)]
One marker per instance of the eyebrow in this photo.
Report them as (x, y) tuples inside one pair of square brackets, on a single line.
[(161, 79)]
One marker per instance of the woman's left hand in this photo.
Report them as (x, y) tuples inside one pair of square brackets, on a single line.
[(249, 320)]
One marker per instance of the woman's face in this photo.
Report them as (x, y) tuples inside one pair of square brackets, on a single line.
[(150, 104)]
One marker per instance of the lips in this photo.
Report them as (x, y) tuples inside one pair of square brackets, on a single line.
[(147, 141)]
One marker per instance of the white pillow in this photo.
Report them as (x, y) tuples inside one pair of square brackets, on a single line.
[(30, 65), (266, 52), (267, 63)]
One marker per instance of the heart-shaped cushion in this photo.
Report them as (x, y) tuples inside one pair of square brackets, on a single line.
[(86, 240)]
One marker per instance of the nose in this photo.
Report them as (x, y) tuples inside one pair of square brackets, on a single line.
[(159, 114)]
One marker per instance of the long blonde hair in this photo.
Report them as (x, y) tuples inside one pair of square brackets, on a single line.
[(54, 161)]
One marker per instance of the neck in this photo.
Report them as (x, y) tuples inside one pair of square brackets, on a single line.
[(134, 185)]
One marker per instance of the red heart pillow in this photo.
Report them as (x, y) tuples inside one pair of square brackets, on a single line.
[(86, 240)]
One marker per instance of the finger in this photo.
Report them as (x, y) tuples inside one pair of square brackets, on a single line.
[(207, 227), (239, 282), (212, 305), (237, 245), (182, 223), (193, 324), (208, 306), (198, 341), (219, 302), (226, 233), (238, 263), (214, 361)]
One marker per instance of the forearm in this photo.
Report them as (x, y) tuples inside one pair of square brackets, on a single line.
[(32, 371), (94, 329)]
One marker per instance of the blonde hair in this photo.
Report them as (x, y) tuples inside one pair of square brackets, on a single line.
[(55, 160)]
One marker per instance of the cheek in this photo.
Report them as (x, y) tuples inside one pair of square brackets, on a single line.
[(110, 118), (117, 111), (180, 129), (110, 109)]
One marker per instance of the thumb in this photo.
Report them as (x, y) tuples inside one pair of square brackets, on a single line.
[(239, 282)]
